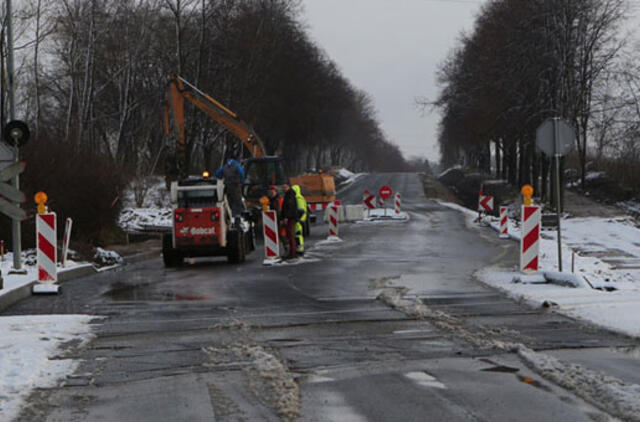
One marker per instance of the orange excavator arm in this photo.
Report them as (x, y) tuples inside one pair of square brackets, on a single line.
[(181, 90)]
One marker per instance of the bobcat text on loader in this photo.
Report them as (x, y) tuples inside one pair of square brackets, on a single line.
[(203, 224)]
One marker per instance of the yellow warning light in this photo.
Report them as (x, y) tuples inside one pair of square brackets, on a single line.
[(205, 174), (41, 200), (527, 192), (264, 201)]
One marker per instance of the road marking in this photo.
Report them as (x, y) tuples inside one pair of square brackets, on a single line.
[(313, 379), (425, 380)]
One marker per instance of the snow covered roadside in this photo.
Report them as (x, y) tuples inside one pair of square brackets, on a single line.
[(603, 243), (14, 281), (26, 355), (345, 178)]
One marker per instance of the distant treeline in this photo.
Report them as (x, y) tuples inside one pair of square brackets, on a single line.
[(526, 61)]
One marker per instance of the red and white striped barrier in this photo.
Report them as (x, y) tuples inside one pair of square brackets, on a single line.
[(333, 218), (530, 238), (46, 247), (65, 241), (397, 203), (318, 206), (270, 231), (504, 223), (46, 255), (381, 202)]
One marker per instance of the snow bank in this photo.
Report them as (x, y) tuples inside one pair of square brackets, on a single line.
[(344, 177), (106, 258), (608, 393), (605, 288), (449, 170), (344, 173), (26, 359)]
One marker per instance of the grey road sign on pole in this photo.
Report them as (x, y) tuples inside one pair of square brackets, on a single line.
[(12, 171), (7, 155), (12, 211), (11, 193), (546, 139), (556, 138), (16, 238)]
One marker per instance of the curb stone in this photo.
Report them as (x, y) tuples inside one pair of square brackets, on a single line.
[(19, 293)]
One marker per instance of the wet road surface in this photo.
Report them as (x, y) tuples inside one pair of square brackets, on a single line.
[(388, 325)]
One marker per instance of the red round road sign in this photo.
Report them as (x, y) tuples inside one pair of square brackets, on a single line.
[(385, 192)]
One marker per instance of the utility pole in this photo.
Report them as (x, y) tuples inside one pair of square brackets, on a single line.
[(15, 224)]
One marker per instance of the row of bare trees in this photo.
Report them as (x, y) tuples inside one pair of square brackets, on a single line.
[(92, 76), (95, 74), (526, 61)]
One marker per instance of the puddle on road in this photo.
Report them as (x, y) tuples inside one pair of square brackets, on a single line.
[(501, 368), (513, 370), (142, 292)]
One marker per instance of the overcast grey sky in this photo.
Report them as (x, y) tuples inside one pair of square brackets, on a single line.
[(391, 49)]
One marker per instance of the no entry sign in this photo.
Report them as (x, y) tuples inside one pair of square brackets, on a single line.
[(385, 192)]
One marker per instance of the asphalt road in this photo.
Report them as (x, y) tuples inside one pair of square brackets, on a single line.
[(387, 325)]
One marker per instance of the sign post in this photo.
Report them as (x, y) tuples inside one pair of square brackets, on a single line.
[(556, 138)]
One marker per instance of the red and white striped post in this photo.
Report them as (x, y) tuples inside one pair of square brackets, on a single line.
[(270, 231), (397, 204), (46, 253), (333, 218), (530, 238), (504, 223), (318, 206), (65, 240)]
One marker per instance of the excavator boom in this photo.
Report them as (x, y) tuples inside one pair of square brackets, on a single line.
[(181, 90), (262, 170)]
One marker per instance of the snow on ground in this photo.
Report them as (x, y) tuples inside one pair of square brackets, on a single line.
[(155, 211), (25, 355), (447, 171), (13, 281), (607, 256), (383, 215), (156, 194), (344, 177), (140, 219)]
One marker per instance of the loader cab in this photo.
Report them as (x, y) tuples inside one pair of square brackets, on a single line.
[(260, 173)]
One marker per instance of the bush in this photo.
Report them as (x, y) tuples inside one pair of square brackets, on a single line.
[(81, 184), (618, 181)]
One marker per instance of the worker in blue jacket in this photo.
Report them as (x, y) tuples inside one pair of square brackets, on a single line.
[(233, 175)]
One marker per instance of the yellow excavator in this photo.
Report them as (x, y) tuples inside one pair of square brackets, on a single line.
[(261, 170)]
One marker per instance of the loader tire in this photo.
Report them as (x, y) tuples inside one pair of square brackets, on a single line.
[(235, 247), (170, 256)]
